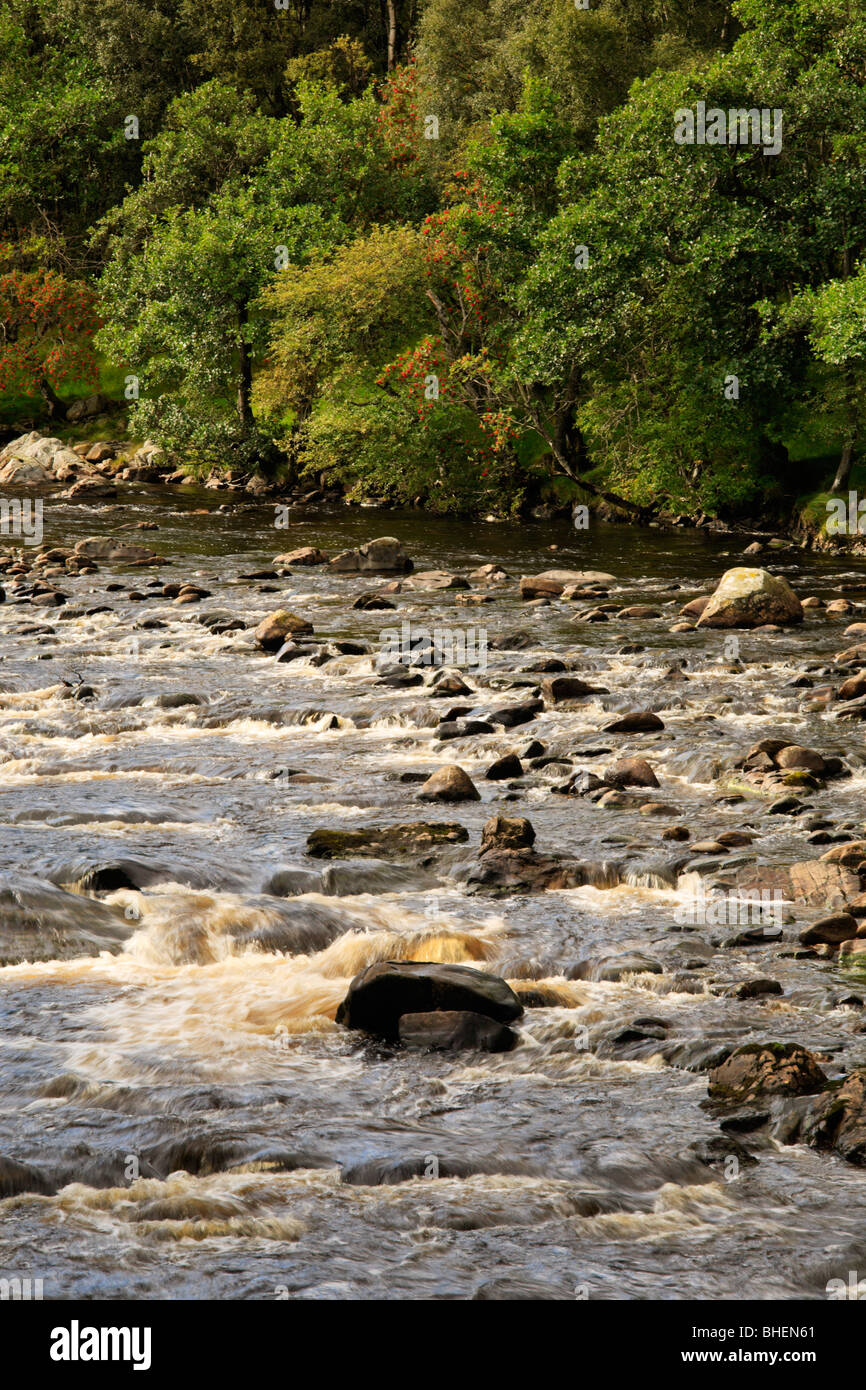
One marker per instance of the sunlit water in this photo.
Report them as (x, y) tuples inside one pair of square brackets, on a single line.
[(194, 1116)]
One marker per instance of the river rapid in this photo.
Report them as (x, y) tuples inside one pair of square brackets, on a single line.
[(180, 1115)]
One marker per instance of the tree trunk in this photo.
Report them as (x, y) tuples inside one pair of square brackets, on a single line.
[(392, 34), (843, 472), (245, 373), (53, 404)]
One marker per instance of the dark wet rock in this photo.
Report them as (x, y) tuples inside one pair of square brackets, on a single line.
[(787, 806), (506, 833), (509, 716), (763, 1069), (676, 832), (835, 1120), (562, 688), (273, 631), (291, 882), (383, 993), (718, 1150), (385, 555), (830, 931), (367, 603), (581, 784), (16, 1177), (455, 1031), (755, 989), (447, 685), (396, 675), (613, 968), (631, 772), (292, 928), (417, 837), (463, 728), (109, 875), (39, 922), (755, 936), (374, 876), (449, 783), (522, 871), (748, 598), (511, 642), (178, 700), (533, 996), (636, 722), (509, 765)]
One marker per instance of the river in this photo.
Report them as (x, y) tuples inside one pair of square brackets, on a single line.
[(182, 1118)]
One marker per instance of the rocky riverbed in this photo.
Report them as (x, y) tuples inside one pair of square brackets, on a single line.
[(395, 908)]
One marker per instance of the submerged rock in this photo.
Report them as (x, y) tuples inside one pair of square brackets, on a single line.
[(378, 841), (40, 922)]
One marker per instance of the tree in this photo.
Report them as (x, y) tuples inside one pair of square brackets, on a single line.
[(47, 325)]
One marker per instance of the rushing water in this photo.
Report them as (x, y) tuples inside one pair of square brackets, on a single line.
[(195, 1123)]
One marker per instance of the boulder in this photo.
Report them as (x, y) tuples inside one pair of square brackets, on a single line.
[(449, 783), (383, 993), (823, 885), (636, 722), (830, 931), (455, 1031), (748, 598), (551, 583), (631, 772), (385, 555), (837, 1119), (506, 833), (761, 1069), (272, 632), (509, 765)]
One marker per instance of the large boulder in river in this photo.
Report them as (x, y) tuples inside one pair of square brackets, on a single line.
[(762, 1069), (272, 632), (449, 783), (751, 598), (385, 555), (380, 995)]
